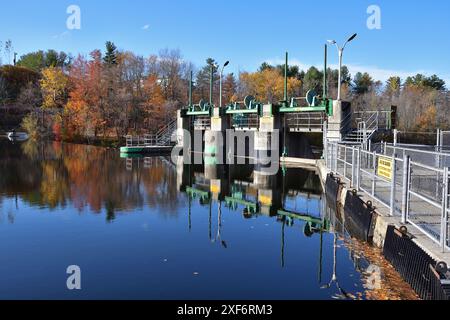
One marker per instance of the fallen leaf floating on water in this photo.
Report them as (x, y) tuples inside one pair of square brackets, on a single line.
[(392, 286)]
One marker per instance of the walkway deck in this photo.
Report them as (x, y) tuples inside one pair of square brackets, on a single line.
[(146, 150)]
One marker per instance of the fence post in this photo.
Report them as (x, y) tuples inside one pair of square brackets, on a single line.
[(374, 163), (353, 168), (438, 146), (325, 140), (358, 170), (336, 152), (365, 136), (405, 192), (345, 162), (393, 185), (444, 218), (438, 138)]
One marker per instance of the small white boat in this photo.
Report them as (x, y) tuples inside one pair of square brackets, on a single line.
[(17, 136)]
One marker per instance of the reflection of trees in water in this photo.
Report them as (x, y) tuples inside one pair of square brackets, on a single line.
[(53, 174), (19, 175), (160, 181)]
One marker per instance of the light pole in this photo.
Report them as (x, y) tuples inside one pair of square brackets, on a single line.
[(221, 76), (341, 51)]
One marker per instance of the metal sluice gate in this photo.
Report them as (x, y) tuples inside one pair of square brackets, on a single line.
[(426, 276)]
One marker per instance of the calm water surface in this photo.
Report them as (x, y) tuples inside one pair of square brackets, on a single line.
[(149, 229)]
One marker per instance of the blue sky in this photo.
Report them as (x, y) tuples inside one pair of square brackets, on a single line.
[(247, 33)]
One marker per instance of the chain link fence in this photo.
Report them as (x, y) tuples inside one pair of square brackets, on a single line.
[(445, 141), (413, 190)]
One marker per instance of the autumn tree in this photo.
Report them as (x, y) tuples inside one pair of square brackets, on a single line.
[(84, 111), (154, 103), (266, 86), (54, 87), (229, 88), (172, 74)]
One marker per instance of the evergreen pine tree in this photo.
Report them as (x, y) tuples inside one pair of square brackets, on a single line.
[(111, 54)]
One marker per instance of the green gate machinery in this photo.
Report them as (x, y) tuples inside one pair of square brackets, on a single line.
[(245, 114), (312, 102), (203, 108)]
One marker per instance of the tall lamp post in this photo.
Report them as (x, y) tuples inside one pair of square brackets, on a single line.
[(341, 51), (221, 77)]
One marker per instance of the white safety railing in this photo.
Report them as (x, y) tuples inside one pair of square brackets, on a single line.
[(374, 119), (245, 121), (306, 121), (162, 138), (416, 192), (425, 155), (365, 124)]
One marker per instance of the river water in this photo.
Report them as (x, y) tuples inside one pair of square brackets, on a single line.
[(149, 229)]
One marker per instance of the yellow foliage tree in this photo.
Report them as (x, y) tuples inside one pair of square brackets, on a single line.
[(54, 87), (267, 85)]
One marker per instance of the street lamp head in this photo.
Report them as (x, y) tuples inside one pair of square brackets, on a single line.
[(331, 41), (352, 37), (226, 63)]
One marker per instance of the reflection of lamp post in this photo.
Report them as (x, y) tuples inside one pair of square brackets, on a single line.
[(341, 51), (219, 226), (219, 220), (334, 278), (221, 76)]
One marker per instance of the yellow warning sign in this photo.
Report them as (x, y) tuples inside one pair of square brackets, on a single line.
[(385, 168)]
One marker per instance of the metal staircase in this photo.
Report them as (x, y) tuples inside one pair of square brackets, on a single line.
[(365, 125), (164, 137)]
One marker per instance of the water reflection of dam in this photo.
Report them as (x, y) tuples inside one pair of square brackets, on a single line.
[(291, 194), (292, 197), (290, 204)]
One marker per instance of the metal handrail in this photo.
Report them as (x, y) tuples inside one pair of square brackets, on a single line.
[(356, 165), (346, 124), (161, 138), (250, 121), (306, 120), (383, 117)]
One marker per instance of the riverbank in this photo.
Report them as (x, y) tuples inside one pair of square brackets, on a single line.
[(98, 142)]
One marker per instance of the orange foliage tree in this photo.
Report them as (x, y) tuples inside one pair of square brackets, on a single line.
[(83, 114), (267, 85)]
